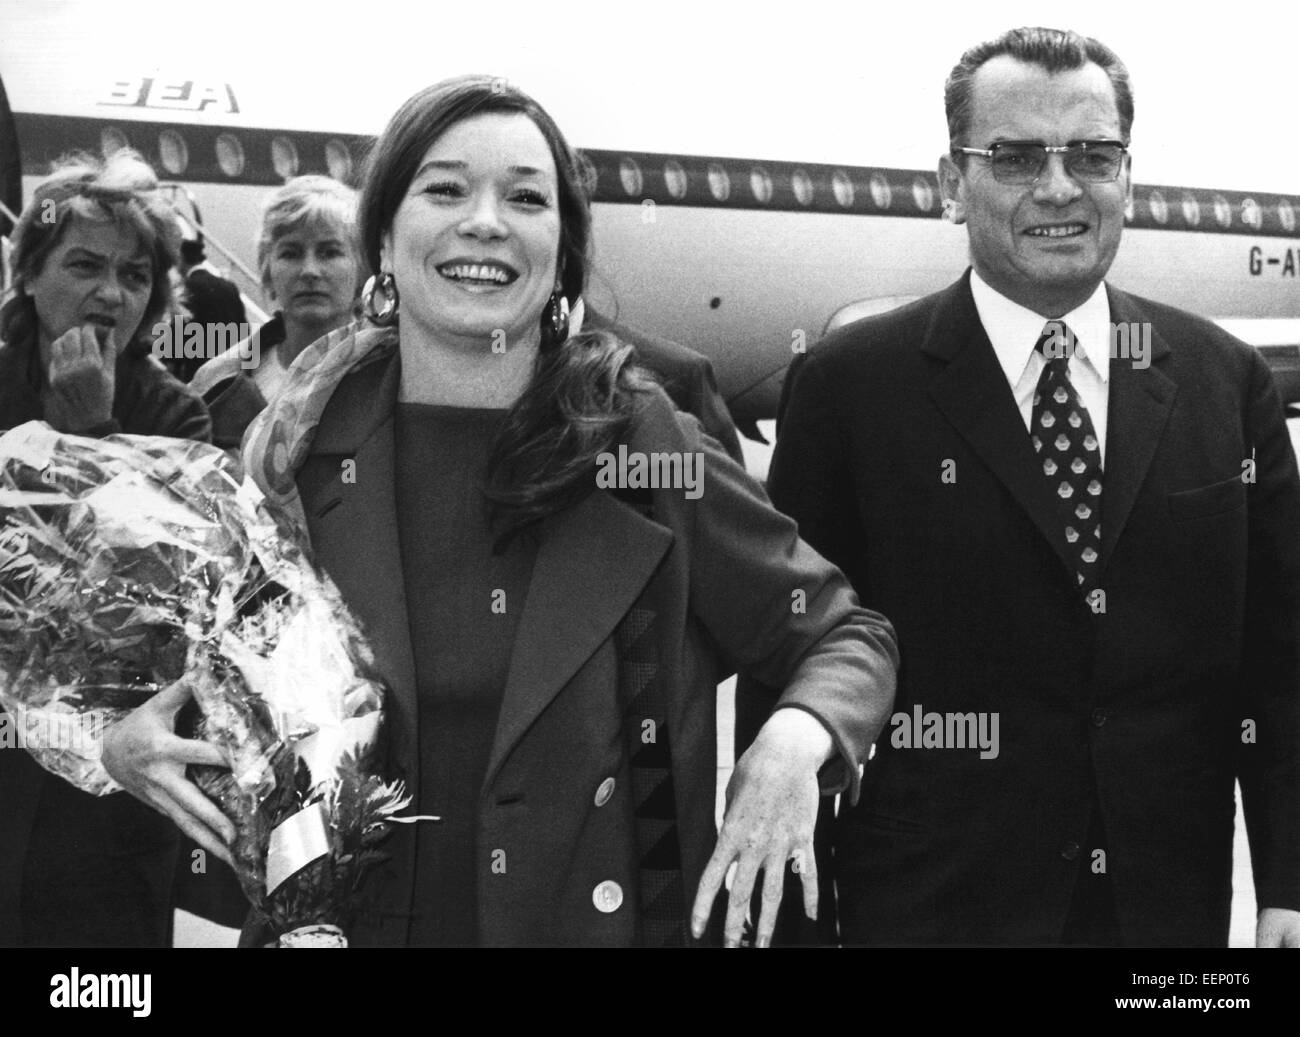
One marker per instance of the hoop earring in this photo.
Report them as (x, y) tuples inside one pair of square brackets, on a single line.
[(558, 310), (385, 285)]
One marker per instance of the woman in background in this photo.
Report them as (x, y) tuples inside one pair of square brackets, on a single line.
[(91, 257), (308, 257)]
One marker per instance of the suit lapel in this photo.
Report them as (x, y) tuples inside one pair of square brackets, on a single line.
[(354, 531), (1138, 408), (972, 392), (593, 562)]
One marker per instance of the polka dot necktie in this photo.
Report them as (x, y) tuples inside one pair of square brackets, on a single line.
[(1065, 443)]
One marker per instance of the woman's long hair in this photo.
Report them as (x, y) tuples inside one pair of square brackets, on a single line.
[(582, 394), (121, 191)]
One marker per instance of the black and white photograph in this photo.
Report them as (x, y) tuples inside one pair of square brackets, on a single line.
[(810, 477)]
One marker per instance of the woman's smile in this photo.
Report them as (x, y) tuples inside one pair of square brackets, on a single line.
[(478, 275)]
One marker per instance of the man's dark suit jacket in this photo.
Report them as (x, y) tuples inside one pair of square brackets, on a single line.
[(210, 300), (1189, 679), (686, 376)]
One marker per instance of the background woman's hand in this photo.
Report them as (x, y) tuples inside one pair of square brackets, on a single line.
[(81, 379), (144, 756), (772, 802)]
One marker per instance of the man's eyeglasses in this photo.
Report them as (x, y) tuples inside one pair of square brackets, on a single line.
[(1022, 162)]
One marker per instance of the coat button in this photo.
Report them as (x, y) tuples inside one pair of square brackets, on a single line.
[(1070, 851), (605, 790), (608, 896), (1098, 717)]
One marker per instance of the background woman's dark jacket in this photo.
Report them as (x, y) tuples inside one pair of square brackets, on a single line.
[(79, 870)]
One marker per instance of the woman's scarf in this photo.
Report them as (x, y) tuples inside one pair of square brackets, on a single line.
[(278, 441)]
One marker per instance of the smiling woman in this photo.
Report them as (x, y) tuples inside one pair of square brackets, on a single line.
[(551, 643), (91, 256)]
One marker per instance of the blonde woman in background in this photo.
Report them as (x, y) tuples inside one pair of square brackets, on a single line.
[(310, 265)]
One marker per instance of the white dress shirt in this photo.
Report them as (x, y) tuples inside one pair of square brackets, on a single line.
[(1014, 331)]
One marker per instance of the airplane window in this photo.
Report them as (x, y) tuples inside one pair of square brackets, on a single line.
[(1286, 214), (842, 186), (675, 178), (173, 152), (760, 183), (338, 160), (922, 194), (284, 158), (629, 173), (230, 154), (719, 182), (1251, 215), (803, 186), (112, 140), (1158, 206), (1191, 209), (1222, 211), (880, 192)]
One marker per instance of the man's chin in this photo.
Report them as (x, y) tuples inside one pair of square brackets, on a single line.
[(1066, 273), (1078, 262), (1050, 292)]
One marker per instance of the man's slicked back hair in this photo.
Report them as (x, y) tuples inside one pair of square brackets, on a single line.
[(1055, 50)]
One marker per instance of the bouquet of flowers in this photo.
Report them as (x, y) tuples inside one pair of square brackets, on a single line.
[(132, 562)]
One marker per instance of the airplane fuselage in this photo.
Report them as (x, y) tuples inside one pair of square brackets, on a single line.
[(747, 261)]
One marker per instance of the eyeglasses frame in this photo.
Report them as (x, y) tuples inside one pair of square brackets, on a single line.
[(1048, 149)]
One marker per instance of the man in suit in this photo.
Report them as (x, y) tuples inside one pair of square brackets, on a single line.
[(686, 376), (1089, 546), (209, 297)]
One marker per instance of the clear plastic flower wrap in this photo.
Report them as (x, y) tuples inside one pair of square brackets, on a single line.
[(131, 562)]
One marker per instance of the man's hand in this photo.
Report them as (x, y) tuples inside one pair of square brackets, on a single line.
[(81, 379), (144, 756), (1277, 927), (772, 802)]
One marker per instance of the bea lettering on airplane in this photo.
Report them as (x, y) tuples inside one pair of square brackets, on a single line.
[(175, 95)]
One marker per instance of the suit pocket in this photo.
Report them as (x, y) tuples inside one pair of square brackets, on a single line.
[(1215, 499)]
